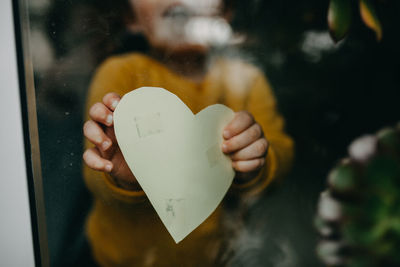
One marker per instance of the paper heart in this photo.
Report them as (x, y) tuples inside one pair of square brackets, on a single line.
[(175, 155)]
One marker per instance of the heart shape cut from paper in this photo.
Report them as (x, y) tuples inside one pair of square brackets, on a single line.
[(175, 155)]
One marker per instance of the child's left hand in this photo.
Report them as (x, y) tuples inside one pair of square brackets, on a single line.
[(245, 143)]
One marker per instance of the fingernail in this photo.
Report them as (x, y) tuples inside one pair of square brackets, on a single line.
[(109, 119), (106, 144), (226, 134), (115, 103), (224, 147), (108, 167)]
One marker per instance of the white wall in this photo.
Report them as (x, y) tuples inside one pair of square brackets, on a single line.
[(16, 248)]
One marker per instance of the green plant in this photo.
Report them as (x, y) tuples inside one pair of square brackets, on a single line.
[(359, 214), (340, 17)]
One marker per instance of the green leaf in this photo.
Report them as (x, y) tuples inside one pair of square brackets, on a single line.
[(389, 139), (343, 178), (370, 18), (339, 18)]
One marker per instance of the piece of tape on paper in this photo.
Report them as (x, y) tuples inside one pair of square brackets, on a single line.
[(148, 124)]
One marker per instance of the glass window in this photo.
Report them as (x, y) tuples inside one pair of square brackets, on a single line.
[(300, 98)]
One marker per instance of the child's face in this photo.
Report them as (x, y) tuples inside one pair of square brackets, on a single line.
[(179, 25)]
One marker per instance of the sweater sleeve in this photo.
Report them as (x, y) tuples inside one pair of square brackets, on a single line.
[(112, 76), (261, 104)]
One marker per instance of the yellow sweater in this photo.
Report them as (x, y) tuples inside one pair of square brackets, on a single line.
[(123, 228)]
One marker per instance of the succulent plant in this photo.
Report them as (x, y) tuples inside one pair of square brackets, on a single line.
[(358, 215)]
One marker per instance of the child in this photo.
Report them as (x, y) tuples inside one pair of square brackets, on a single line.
[(123, 228)]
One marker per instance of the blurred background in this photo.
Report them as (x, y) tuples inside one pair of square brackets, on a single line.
[(329, 94)]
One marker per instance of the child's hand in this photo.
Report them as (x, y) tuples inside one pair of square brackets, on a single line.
[(106, 155), (245, 143)]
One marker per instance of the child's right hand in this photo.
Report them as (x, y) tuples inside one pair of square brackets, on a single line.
[(106, 155)]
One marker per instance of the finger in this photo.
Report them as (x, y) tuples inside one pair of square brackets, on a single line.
[(257, 149), (240, 122), (248, 165), (100, 113), (243, 139), (111, 100), (94, 161), (95, 134)]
